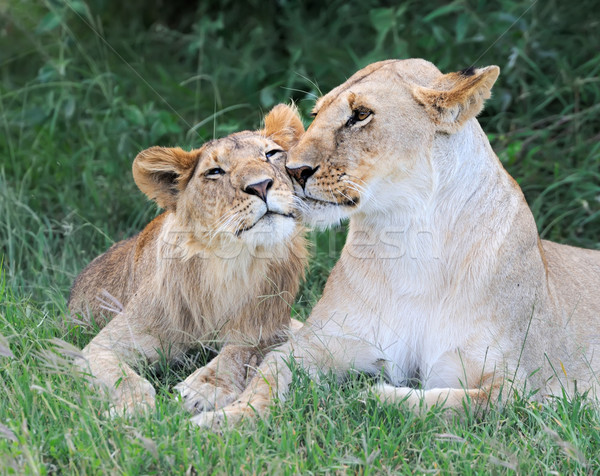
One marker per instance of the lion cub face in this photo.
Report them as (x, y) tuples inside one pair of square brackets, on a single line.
[(233, 189), (369, 147)]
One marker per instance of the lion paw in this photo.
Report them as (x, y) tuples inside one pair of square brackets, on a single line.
[(217, 420), (200, 397), (130, 399), (390, 394)]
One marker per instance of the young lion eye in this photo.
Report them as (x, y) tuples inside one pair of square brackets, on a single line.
[(272, 153), (213, 173)]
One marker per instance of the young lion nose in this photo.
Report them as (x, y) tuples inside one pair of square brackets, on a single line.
[(302, 174), (259, 189)]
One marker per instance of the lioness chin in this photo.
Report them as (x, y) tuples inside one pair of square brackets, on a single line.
[(443, 281), (218, 268)]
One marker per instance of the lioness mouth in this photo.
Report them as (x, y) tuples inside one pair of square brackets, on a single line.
[(267, 213), (347, 203)]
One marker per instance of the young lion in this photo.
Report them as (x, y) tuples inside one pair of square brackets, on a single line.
[(444, 279), (219, 266)]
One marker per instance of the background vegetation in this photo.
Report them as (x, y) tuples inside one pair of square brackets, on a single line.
[(85, 85)]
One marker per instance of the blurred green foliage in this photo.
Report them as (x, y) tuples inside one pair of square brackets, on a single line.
[(85, 85)]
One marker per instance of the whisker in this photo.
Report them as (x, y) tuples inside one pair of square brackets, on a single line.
[(229, 219), (362, 191), (300, 204), (308, 93), (345, 196), (354, 184), (355, 178), (310, 81), (353, 188), (232, 225), (238, 226), (225, 216), (332, 194)]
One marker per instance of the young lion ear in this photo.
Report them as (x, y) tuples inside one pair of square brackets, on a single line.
[(456, 97), (161, 173), (283, 125)]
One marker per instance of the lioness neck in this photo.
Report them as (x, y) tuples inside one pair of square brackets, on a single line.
[(462, 215)]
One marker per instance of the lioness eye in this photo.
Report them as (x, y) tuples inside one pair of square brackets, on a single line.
[(358, 115), (362, 115), (214, 172), (273, 152)]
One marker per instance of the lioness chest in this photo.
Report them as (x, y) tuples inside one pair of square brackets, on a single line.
[(410, 316)]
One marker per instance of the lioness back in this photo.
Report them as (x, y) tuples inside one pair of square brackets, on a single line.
[(568, 261)]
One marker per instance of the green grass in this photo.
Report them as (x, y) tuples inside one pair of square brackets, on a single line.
[(74, 111)]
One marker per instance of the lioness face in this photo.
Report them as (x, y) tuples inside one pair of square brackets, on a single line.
[(231, 189), (369, 146)]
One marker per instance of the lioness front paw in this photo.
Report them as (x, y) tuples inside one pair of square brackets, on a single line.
[(390, 394), (200, 397), (219, 419)]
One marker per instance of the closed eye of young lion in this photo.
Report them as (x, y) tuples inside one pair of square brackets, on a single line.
[(218, 268), (444, 279)]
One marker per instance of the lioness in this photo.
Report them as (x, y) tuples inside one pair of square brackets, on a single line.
[(219, 266), (443, 280)]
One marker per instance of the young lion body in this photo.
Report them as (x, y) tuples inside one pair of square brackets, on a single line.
[(219, 267), (443, 279)]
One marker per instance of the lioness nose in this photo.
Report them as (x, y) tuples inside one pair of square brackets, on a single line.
[(259, 189), (302, 174)]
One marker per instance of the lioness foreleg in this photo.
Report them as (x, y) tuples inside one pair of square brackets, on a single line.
[(457, 401), (317, 352), (220, 381)]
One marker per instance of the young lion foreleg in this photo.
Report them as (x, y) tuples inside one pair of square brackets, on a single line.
[(108, 358)]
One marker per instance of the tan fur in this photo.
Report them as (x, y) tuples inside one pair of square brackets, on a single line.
[(219, 268), (443, 280)]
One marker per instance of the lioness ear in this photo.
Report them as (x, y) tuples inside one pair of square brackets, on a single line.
[(161, 173), (283, 125), (456, 97)]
